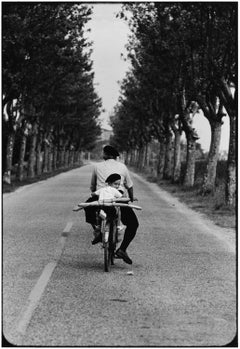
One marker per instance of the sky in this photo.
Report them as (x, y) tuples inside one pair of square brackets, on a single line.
[(110, 35)]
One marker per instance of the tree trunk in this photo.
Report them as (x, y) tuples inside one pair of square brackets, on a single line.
[(32, 152), (188, 110), (177, 157), (55, 155), (142, 157), (135, 154), (39, 160), (190, 166), (147, 156), (45, 156), (167, 171), (75, 157), (131, 158), (72, 158), (152, 164), (139, 158), (69, 158), (50, 159), (20, 173), (9, 157), (125, 158), (130, 161), (229, 100), (81, 156), (39, 155), (134, 157), (230, 190), (62, 156), (142, 163), (66, 158), (210, 174), (161, 159)]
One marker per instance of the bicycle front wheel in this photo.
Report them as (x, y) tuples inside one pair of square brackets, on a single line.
[(107, 257), (113, 241)]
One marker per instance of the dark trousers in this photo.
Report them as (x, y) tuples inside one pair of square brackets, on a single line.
[(128, 218)]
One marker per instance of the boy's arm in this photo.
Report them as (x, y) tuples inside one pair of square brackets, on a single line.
[(117, 194)]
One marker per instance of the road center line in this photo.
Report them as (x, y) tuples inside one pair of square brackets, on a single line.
[(41, 284)]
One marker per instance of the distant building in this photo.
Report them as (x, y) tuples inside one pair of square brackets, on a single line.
[(106, 134)]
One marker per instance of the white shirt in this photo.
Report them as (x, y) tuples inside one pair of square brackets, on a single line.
[(108, 192), (104, 169)]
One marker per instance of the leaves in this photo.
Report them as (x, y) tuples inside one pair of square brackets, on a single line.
[(173, 47), (46, 61)]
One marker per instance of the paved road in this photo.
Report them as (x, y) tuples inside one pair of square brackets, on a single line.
[(55, 293)]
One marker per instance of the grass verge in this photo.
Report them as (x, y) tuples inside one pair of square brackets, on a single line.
[(211, 206), (15, 184)]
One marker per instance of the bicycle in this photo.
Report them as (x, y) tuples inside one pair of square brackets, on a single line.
[(109, 227)]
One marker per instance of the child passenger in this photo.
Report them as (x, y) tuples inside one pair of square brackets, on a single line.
[(109, 192)]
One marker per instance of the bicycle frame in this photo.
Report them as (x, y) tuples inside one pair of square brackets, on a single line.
[(109, 236)]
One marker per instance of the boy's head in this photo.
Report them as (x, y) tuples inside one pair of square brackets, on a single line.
[(114, 180)]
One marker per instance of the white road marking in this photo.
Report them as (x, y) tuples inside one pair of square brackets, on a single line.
[(35, 296), (68, 227), (41, 284)]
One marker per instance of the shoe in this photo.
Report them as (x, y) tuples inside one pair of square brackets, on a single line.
[(120, 227), (97, 239), (123, 254), (97, 229)]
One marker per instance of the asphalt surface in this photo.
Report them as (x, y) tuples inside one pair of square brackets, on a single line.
[(181, 292)]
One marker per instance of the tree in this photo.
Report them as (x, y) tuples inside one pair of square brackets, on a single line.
[(186, 52), (47, 70)]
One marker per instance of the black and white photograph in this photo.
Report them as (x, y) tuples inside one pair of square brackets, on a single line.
[(119, 174)]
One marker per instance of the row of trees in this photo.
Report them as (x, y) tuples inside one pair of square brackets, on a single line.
[(183, 58), (50, 106)]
